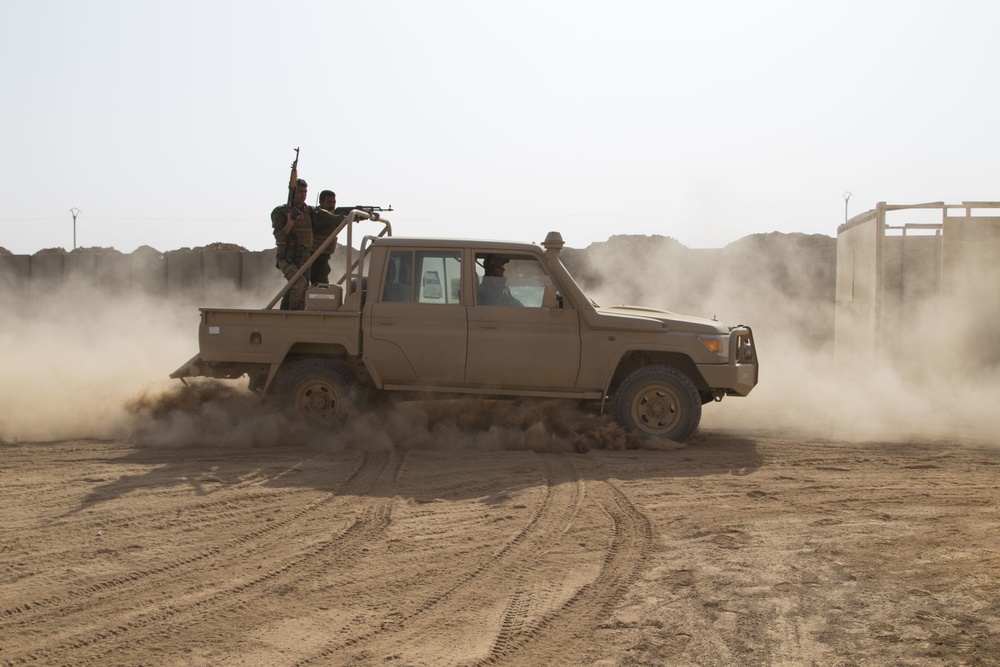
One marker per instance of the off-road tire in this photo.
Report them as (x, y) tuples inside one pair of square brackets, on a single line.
[(320, 391), (658, 402)]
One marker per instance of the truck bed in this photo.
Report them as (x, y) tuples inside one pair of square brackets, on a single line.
[(267, 336)]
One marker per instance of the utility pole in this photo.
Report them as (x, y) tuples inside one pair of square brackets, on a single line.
[(75, 211), (847, 198)]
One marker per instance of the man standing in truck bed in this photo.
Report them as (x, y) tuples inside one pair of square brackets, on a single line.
[(293, 232), (319, 274)]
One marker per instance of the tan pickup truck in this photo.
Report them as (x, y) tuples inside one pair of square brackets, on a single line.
[(422, 315)]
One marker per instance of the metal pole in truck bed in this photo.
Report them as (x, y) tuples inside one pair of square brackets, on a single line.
[(353, 216)]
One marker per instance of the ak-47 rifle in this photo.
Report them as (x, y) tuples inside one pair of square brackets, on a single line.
[(292, 213), (292, 180)]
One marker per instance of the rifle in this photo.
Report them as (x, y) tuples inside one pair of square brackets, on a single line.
[(371, 210), (291, 183), (290, 237)]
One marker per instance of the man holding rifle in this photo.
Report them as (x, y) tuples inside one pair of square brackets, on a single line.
[(293, 225), (319, 273)]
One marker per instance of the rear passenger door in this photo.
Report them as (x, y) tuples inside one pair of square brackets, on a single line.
[(418, 325)]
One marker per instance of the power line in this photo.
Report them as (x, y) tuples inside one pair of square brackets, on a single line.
[(589, 214), (130, 219)]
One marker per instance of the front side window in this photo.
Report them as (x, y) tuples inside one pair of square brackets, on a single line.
[(511, 280)]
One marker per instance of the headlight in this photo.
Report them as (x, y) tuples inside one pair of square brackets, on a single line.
[(716, 343)]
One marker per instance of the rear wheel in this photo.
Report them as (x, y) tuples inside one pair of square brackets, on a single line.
[(659, 402), (317, 390)]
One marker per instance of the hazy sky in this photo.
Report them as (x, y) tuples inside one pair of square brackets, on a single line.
[(173, 124)]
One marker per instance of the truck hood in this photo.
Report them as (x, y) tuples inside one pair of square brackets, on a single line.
[(644, 319)]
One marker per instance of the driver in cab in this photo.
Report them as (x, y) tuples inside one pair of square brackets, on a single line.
[(493, 290)]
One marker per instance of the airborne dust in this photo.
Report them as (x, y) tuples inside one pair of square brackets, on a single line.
[(89, 366), (221, 414), (80, 364), (938, 378)]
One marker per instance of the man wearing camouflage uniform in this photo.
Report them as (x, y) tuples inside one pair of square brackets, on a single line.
[(293, 232)]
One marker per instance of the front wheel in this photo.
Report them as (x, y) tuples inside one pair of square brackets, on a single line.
[(660, 402), (320, 391)]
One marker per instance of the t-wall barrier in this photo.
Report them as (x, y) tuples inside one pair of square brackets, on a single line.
[(934, 270), (199, 276)]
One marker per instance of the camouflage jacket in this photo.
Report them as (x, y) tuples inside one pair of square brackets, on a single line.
[(323, 224), (312, 226)]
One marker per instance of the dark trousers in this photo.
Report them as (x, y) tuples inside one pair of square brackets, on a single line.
[(319, 272)]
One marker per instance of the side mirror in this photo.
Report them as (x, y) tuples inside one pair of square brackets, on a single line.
[(551, 298)]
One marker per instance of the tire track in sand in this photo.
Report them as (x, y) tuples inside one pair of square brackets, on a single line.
[(557, 636), (200, 610), (85, 594), (564, 493)]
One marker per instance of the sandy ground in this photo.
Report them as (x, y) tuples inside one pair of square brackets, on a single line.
[(741, 548)]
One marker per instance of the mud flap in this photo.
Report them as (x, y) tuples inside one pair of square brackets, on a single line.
[(270, 378), (190, 368)]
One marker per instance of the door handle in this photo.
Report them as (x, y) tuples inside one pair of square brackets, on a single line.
[(487, 325)]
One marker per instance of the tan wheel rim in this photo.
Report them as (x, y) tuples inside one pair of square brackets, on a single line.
[(656, 409), (317, 400)]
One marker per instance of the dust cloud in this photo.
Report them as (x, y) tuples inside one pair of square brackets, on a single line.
[(935, 380), (220, 414), (488, 425), (75, 356), (206, 413), (81, 364)]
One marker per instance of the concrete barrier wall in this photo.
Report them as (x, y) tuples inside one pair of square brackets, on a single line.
[(919, 286), (971, 258), (857, 285), (220, 277), (205, 276), (45, 273), (148, 274), (911, 279), (185, 274), (114, 272), (971, 283), (730, 282), (15, 274)]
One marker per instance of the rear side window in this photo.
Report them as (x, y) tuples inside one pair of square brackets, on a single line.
[(423, 276)]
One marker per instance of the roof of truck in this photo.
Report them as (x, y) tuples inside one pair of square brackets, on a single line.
[(428, 242)]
